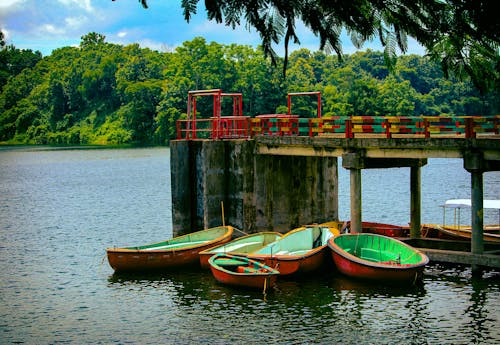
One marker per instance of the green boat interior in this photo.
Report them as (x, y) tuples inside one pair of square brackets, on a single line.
[(378, 249), (193, 239), (246, 244), (298, 242)]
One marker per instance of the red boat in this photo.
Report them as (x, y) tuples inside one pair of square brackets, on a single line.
[(242, 271), (178, 251), (390, 230), (299, 251), (376, 257)]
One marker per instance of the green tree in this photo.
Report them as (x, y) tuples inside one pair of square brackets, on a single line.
[(462, 34)]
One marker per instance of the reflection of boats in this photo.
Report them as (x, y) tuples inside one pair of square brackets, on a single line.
[(241, 246), (241, 271), (457, 231), (390, 230), (301, 250), (376, 257), (178, 251)]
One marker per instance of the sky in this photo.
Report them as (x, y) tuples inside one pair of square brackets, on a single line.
[(45, 25)]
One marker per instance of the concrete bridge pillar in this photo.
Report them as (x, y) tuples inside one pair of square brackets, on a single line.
[(475, 164), (415, 201), (355, 162), (260, 192)]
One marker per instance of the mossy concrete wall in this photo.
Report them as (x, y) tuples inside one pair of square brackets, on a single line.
[(259, 192)]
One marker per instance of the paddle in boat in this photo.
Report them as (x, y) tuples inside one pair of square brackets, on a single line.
[(302, 250), (241, 246), (242, 271), (377, 257), (178, 251)]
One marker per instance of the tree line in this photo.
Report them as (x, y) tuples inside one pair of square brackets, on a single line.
[(104, 93)]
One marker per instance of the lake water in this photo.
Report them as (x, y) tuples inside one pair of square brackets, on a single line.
[(60, 209)]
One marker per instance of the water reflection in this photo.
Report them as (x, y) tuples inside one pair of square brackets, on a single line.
[(330, 308)]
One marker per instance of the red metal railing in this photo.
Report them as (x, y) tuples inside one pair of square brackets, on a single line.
[(348, 127), (239, 126)]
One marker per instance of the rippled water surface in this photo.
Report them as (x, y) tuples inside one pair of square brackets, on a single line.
[(59, 210)]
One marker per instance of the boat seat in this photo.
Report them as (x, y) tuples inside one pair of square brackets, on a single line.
[(299, 252), (246, 269), (176, 245), (229, 262), (236, 246)]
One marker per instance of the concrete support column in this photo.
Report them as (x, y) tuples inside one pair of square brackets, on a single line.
[(355, 176), (475, 164), (415, 201), (477, 212), (355, 162)]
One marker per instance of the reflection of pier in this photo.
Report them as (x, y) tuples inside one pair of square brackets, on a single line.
[(277, 172)]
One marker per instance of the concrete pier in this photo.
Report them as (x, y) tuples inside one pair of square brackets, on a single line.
[(259, 193), (281, 182)]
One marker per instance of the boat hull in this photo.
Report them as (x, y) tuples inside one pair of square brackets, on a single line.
[(384, 229), (242, 246), (354, 265), (296, 264), (247, 273), (147, 258)]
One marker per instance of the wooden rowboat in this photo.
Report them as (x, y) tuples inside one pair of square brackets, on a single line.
[(302, 250), (457, 233), (178, 251), (242, 271), (241, 246), (376, 257), (385, 229)]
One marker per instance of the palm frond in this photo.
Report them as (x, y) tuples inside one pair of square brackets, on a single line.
[(189, 7)]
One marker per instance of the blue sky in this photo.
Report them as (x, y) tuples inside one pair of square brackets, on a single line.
[(46, 25)]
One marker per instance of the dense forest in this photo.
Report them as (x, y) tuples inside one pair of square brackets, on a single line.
[(103, 93)]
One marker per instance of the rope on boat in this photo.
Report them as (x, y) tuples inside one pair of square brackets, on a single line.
[(243, 232)]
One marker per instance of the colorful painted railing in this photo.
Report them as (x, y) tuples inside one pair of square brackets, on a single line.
[(226, 127)]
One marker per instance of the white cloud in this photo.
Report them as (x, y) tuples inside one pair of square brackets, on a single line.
[(121, 34), (51, 29), (76, 22), (10, 3), (84, 4)]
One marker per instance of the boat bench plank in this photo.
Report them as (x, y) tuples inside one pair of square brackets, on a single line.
[(233, 247), (229, 262), (176, 245)]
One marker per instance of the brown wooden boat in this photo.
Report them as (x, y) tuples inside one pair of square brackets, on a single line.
[(384, 229), (178, 251), (456, 233)]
